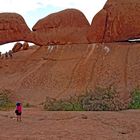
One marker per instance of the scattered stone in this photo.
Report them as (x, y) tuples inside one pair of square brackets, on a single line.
[(84, 116)]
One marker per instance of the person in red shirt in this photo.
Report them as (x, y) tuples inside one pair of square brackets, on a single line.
[(18, 111)]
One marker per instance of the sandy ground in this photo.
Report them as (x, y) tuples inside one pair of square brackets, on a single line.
[(43, 125)]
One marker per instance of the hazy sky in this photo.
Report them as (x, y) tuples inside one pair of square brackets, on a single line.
[(33, 10)]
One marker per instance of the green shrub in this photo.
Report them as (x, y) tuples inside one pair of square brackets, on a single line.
[(62, 105), (100, 99), (135, 102), (5, 102), (27, 105)]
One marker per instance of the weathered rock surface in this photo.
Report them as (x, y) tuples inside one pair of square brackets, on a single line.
[(65, 70), (13, 28), (117, 21), (96, 32), (64, 27)]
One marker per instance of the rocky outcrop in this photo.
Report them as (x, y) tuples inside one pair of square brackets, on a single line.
[(17, 47), (117, 21), (65, 27), (13, 28), (60, 71)]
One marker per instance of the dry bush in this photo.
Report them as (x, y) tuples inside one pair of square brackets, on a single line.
[(5, 101), (99, 99), (102, 99)]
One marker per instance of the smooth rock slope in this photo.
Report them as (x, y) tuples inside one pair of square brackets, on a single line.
[(60, 71)]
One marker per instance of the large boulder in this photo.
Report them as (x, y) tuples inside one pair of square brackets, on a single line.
[(12, 28), (117, 21), (64, 27)]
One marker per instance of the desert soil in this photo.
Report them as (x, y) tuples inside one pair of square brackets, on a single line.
[(38, 124)]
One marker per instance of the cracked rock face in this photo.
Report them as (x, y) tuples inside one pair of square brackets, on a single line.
[(64, 27), (12, 28), (117, 21)]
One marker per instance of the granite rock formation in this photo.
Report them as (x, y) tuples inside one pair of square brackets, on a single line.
[(65, 27), (117, 21), (13, 28), (60, 71)]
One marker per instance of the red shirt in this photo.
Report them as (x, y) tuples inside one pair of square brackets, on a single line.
[(19, 108)]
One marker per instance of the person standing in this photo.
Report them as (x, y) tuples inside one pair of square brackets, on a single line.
[(6, 55), (10, 54), (18, 111)]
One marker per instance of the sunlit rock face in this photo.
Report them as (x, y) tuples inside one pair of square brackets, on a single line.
[(65, 27), (98, 27), (117, 21), (61, 71), (13, 28)]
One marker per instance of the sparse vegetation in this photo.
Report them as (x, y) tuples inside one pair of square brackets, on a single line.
[(5, 102), (135, 102), (27, 105), (101, 99), (72, 104)]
